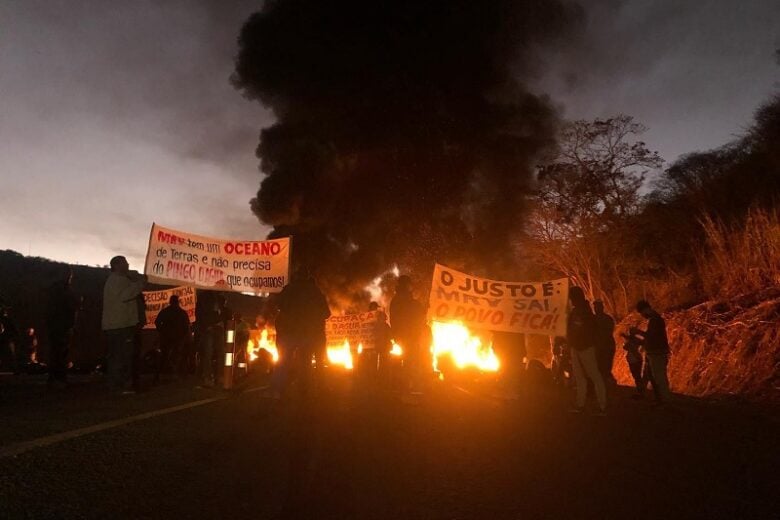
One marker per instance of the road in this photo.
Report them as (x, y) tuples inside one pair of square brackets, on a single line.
[(351, 450)]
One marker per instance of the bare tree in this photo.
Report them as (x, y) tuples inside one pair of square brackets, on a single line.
[(585, 196)]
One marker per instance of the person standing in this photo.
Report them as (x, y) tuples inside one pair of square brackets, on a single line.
[(383, 341), (225, 316), (634, 360), (61, 312), (656, 346), (243, 334), (581, 340), (605, 342), (407, 319), (120, 320), (9, 337), (173, 326), (300, 329), (206, 321), (138, 343)]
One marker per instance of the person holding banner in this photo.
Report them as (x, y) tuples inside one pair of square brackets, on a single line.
[(581, 340), (120, 320)]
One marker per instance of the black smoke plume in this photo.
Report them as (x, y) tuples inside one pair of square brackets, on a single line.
[(404, 133)]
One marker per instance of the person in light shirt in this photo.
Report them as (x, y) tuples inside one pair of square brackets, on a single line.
[(120, 319)]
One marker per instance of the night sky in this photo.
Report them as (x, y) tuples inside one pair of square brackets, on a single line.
[(117, 114)]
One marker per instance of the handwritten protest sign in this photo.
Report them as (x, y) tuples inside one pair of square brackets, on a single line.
[(526, 307), (175, 257), (157, 300), (357, 328)]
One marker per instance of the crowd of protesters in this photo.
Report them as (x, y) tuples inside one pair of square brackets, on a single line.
[(585, 356), (589, 352)]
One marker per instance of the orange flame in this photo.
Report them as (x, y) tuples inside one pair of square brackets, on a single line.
[(260, 342), (454, 339), (341, 355), (396, 350)]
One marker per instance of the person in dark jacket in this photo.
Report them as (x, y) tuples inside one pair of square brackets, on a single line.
[(407, 322), (173, 326), (9, 338), (656, 346), (634, 361), (383, 334), (61, 312), (300, 328), (605, 342), (581, 339), (207, 321)]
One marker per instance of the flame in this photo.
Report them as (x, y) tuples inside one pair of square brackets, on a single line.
[(262, 342), (341, 355), (396, 350), (464, 348)]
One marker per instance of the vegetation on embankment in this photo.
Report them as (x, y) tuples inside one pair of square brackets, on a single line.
[(701, 242), (726, 347)]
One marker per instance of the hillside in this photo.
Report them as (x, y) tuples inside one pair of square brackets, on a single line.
[(23, 284), (729, 347)]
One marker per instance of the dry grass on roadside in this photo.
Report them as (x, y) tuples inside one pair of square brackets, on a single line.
[(741, 259)]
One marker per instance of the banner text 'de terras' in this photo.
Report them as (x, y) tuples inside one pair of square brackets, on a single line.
[(155, 301), (175, 257), (523, 307)]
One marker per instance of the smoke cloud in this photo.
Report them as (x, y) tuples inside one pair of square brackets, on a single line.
[(404, 131)]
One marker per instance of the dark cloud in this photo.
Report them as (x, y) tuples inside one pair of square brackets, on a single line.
[(405, 128)]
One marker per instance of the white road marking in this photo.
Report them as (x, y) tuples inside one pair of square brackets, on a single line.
[(22, 447)]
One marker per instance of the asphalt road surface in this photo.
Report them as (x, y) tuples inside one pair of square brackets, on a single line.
[(351, 450)]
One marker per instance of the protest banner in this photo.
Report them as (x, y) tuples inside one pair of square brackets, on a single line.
[(175, 257), (357, 328), (524, 307), (156, 301)]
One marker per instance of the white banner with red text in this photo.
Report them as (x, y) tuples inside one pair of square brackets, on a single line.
[(156, 301), (358, 329), (480, 303), (176, 257)]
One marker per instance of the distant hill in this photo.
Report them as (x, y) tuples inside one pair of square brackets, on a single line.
[(23, 287)]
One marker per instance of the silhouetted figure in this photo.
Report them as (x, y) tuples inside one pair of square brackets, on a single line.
[(173, 327), (120, 320), (28, 354), (225, 314), (560, 366), (242, 329), (61, 312), (656, 346), (605, 342), (407, 320), (207, 321), (383, 335), (9, 338), (138, 343), (300, 328), (581, 340), (634, 360)]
